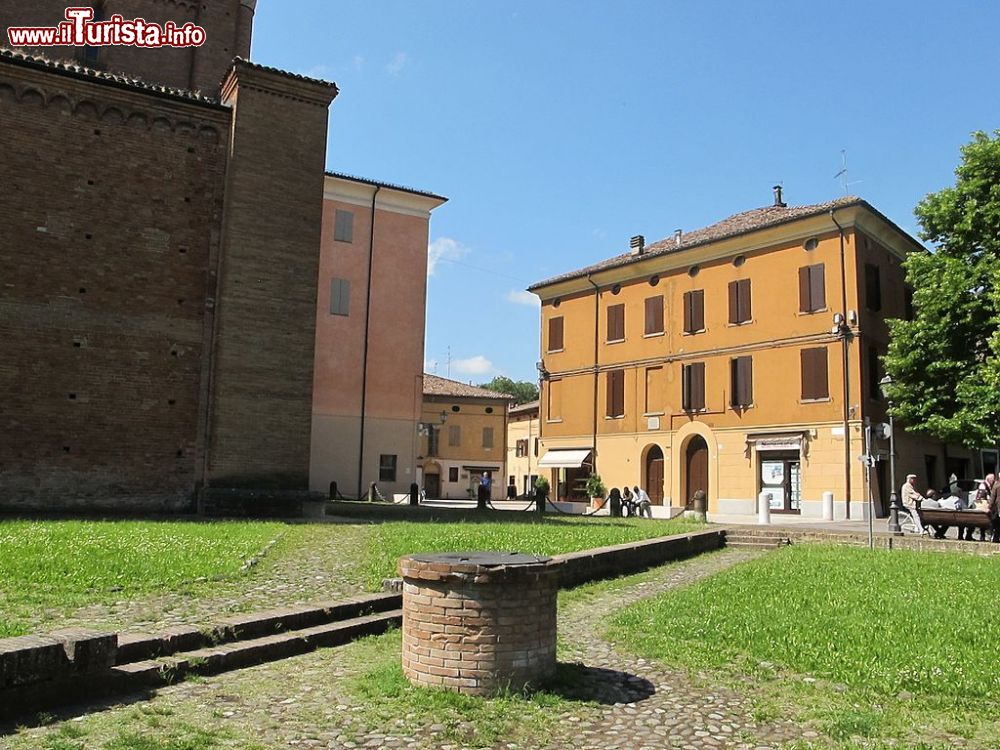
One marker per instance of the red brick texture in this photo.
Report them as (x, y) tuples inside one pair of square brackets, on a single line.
[(478, 630)]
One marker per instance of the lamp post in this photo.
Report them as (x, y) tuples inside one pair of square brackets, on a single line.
[(894, 507)]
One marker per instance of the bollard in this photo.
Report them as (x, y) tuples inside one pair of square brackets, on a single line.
[(764, 508), (827, 506), (539, 500), (414, 494), (615, 502), (333, 490)]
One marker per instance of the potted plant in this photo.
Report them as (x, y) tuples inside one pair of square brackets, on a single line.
[(542, 486), (595, 488)]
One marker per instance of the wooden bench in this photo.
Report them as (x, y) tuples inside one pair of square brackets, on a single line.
[(977, 519)]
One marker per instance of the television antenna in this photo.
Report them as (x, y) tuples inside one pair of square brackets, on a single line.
[(842, 175)]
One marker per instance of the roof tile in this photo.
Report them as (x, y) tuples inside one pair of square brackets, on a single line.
[(438, 386)]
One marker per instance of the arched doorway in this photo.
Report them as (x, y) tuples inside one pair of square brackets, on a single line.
[(696, 465), (654, 475)]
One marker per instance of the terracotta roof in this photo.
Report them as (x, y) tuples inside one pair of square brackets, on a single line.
[(279, 71), (436, 386), (116, 79), (387, 185), (522, 408), (735, 225)]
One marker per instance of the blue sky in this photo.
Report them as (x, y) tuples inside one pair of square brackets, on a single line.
[(560, 129)]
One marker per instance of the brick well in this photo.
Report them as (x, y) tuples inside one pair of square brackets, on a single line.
[(479, 623)]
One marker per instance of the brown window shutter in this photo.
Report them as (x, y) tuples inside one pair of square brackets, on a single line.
[(805, 305), (609, 384), (734, 302), (620, 394), (686, 387), (817, 286), (654, 315), (698, 305), (555, 334), (616, 322), (734, 383), (688, 318), (743, 300), (815, 376), (808, 374), (698, 383), (746, 380)]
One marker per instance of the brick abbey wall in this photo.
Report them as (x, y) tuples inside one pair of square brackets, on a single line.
[(110, 212)]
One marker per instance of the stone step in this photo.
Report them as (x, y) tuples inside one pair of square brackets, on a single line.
[(730, 538), (754, 545), (225, 657)]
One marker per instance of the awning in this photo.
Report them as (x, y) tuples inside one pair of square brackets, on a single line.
[(481, 468), (776, 441), (564, 459)]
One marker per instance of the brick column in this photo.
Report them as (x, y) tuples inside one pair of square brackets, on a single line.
[(479, 623)]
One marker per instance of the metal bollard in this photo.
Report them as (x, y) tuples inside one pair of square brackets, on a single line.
[(827, 506), (333, 490), (414, 494), (764, 508), (539, 501)]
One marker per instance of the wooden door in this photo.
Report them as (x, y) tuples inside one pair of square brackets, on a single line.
[(432, 485), (654, 475), (697, 468)]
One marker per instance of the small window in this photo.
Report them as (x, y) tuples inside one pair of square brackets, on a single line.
[(556, 302), (741, 382), (340, 297), (615, 380), (739, 260), (616, 323), (654, 315), (811, 244), (536, 447), (616, 289), (454, 435), (815, 374), (453, 474), (694, 271), (693, 386), (694, 311), (489, 409), (386, 468), (343, 228), (654, 280), (487, 437), (739, 301), (873, 287), (555, 334), (812, 288), (456, 408)]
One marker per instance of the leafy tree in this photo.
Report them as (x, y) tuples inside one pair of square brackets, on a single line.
[(522, 391), (945, 363)]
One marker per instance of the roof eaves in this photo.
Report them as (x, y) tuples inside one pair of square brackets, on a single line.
[(385, 185)]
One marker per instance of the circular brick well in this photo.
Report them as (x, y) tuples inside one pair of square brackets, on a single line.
[(479, 622)]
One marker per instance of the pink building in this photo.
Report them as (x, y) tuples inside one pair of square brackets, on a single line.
[(368, 386)]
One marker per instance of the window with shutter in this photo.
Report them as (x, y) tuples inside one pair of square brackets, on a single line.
[(343, 226), (615, 383), (454, 435), (812, 288), (555, 334), (815, 374), (741, 382), (739, 301), (873, 287), (487, 437), (340, 296), (616, 323), (654, 315), (693, 386), (694, 311)]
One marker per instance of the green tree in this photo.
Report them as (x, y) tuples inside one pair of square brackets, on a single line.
[(522, 391), (945, 363)]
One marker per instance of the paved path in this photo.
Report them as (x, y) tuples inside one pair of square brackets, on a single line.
[(302, 702)]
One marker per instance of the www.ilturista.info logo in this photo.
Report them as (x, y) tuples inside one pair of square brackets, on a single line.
[(80, 29)]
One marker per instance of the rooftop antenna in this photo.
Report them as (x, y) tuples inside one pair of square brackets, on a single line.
[(842, 174)]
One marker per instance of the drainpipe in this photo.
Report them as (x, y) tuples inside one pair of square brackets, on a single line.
[(364, 358), (844, 358), (597, 321)]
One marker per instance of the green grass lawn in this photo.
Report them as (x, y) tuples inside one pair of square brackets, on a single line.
[(549, 536), (867, 644), (60, 565)]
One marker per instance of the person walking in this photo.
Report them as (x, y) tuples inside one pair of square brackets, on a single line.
[(908, 494), (643, 503)]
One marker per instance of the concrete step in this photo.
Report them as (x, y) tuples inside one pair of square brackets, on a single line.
[(745, 538), (225, 657), (753, 545)]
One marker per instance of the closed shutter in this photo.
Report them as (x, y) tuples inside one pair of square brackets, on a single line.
[(693, 386), (616, 322), (555, 334), (815, 374), (741, 381), (817, 286), (487, 437), (615, 383), (454, 435), (805, 304), (698, 310), (739, 301), (688, 319), (654, 315), (734, 305)]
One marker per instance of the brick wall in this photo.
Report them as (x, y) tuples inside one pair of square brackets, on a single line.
[(111, 212)]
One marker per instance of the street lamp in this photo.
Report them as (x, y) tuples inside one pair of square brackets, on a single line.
[(894, 507)]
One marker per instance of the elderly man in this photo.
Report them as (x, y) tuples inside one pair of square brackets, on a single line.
[(908, 494)]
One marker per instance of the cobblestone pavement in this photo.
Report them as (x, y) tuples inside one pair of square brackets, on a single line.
[(317, 562), (626, 701)]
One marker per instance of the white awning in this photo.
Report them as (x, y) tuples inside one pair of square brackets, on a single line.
[(564, 459)]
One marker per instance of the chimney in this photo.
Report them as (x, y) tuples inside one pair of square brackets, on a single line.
[(777, 198), (678, 234), (637, 245)]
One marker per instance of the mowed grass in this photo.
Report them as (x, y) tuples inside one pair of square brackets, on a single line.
[(60, 565), (872, 649), (549, 536)]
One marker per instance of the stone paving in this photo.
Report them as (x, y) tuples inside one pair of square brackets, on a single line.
[(303, 703)]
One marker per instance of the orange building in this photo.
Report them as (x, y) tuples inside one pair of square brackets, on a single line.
[(738, 358), (523, 447), (367, 389), (463, 431)]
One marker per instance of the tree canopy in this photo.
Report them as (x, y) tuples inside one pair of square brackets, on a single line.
[(945, 363), (522, 391)]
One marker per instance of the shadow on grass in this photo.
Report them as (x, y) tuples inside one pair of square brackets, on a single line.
[(61, 713), (580, 683)]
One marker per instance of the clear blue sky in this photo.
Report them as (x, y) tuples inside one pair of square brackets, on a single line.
[(560, 129)]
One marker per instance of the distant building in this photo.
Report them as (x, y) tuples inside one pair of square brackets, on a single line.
[(735, 359), (463, 435), (368, 385), (523, 447)]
